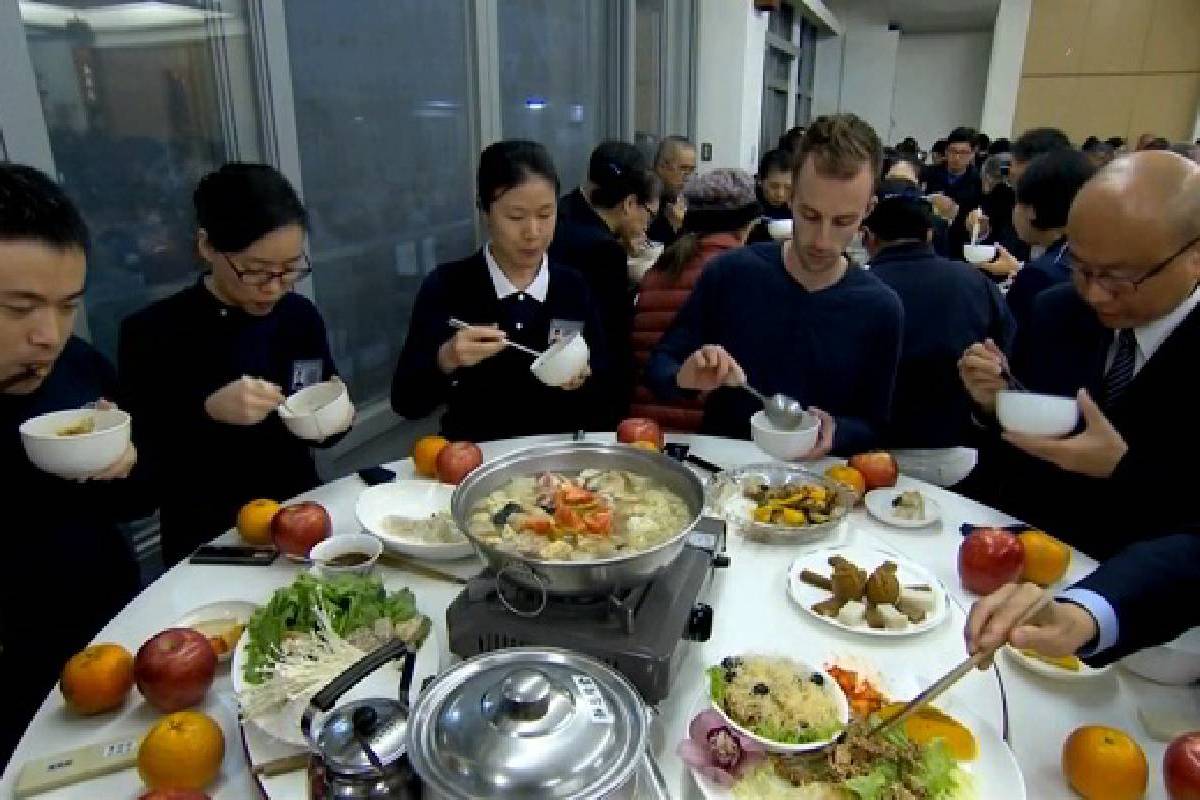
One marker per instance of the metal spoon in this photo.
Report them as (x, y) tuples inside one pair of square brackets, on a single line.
[(458, 323), (784, 412)]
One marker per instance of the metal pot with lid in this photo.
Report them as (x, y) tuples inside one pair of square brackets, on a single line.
[(362, 745), (532, 723)]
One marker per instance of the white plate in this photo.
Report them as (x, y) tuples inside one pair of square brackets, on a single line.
[(1050, 671), (234, 611), (413, 499), (995, 771), (879, 504), (907, 572), (284, 724)]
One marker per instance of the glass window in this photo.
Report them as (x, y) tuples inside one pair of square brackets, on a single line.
[(387, 155), (553, 68), (780, 21), (138, 110), (774, 119), (649, 42)]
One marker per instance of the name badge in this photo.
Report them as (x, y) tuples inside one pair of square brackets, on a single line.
[(306, 373), (563, 328)]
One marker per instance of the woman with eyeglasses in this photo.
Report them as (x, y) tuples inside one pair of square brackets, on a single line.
[(204, 370), (616, 205)]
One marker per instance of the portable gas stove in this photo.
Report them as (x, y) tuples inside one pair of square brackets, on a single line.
[(636, 631)]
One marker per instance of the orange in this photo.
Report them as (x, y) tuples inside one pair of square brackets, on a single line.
[(929, 723), (97, 678), (651, 446), (1046, 558), (848, 476), (182, 751), (1103, 763), (425, 453), (254, 521)]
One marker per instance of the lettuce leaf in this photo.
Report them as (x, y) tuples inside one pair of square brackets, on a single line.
[(872, 785)]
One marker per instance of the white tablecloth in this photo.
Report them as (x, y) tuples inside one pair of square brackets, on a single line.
[(751, 610)]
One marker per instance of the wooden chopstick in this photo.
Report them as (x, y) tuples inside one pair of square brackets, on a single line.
[(282, 766), (952, 677), (393, 560)]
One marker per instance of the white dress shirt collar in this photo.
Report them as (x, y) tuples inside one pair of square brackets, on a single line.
[(504, 287), (1151, 335)]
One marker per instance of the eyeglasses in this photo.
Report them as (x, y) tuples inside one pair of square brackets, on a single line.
[(1117, 284), (295, 270)]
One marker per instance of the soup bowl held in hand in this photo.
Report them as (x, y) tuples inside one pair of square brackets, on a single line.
[(785, 445), (979, 253), (562, 362), (318, 412), (76, 443), (1036, 414), (779, 229)]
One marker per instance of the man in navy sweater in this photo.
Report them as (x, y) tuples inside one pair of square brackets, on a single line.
[(947, 306), (1143, 596), (796, 318), (67, 527), (1123, 339)]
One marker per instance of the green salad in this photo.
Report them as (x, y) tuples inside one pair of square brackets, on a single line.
[(359, 610)]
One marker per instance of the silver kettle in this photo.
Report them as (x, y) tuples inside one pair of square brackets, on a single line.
[(361, 746)]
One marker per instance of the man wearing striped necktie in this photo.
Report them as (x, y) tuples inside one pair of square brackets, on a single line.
[(1127, 333)]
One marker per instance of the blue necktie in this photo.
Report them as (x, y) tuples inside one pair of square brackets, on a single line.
[(1120, 374)]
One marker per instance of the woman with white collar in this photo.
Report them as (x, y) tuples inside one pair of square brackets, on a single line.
[(509, 290)]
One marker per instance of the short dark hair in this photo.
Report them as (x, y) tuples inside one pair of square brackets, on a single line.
[(840, 145), (981, 141), (960, 135), (900, 213), (1089, 143), (617, 170), (939, 147), (34, 208), (669, 145), (240, 203), (1038, 141), (1117, 142), (776, 160), (790, 140), (1001, 145), (908, 145), (1050, 183), (506, 165)]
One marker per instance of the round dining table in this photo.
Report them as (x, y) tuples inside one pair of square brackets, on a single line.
[(752, 610)]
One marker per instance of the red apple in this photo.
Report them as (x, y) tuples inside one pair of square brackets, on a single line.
[(879, 469), (988, 558), (640, 429), (297, 528), (457, 459), (174, 794), (1181, 767), (174, 669)]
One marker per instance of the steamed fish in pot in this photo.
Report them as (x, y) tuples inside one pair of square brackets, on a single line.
[(595, 514)]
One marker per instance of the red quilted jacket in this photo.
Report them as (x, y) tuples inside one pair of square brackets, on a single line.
[(659, 299)]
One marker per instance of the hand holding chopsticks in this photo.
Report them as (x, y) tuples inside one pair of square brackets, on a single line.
[(981, 656)]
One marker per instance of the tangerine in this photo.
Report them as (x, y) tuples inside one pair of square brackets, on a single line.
[(425, 453), (97, 678), (1046, 558), (1103, 763), (254, 521), (182, 751)]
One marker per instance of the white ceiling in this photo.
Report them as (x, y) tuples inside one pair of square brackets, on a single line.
[(930, 16)]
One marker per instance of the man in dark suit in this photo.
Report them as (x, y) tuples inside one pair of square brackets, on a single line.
[(1139, 598), (954, 186), (1122, 337)]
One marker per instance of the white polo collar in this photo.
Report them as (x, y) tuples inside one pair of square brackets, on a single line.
[(504, 287)]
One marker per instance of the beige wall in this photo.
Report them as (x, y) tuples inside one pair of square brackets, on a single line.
[(1111, 68)]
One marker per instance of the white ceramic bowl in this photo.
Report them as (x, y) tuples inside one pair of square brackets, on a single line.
[(317, 412), (1036, 414), (979, 253), (410, 499), (830, 685), (81, 455), (779, 229), (781, 444), (564, 359), (1167, 664), (335, 546)]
